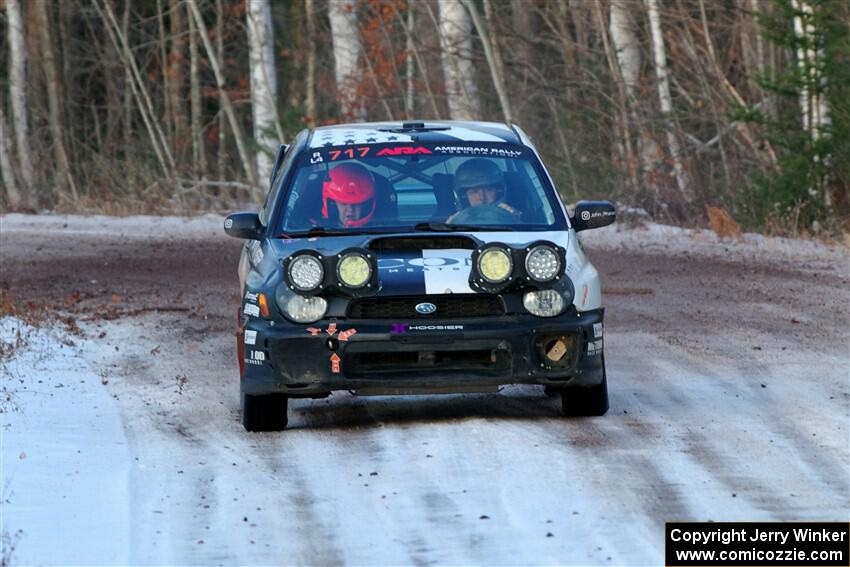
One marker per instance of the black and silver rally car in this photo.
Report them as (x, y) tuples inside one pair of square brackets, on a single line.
[(411, 257)]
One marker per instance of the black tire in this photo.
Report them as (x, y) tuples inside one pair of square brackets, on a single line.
[(264, 413), (586, 400)]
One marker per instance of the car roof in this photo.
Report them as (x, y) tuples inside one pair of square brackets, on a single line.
[(431, 131)]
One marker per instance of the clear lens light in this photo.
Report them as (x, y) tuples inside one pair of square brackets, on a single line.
[(542, 263), (544, 303), (305, 309), (495, 265), (354, 270), (306, 272)]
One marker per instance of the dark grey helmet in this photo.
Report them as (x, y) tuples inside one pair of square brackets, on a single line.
[(478, 172)]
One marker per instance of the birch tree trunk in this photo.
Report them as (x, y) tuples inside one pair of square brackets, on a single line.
[(660, 57), (263, 85), (624, 139), (310, 98), (18, 97), (13, 194), (626, 44), (813, 102), (55, 118), (346, 48), (630, 59), (456, 53), (226, 104)]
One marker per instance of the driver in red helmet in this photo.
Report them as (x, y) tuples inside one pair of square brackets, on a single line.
[(348, 195)]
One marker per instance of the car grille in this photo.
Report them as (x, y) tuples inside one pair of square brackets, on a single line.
[(450, 306)]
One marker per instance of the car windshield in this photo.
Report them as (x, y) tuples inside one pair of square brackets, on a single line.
[(428, 187)]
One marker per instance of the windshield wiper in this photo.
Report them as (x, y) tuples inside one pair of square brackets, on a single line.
[(448, 227)]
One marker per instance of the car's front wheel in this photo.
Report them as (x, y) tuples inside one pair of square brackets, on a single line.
[(586, 400), (264, 413)]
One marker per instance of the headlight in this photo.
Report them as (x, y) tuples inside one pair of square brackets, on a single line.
[(306, 272), (542, 264), (495, 265), (354, 270), (305, 309), (544, 303)]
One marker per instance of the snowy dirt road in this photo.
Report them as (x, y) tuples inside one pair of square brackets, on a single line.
[(728, 369)]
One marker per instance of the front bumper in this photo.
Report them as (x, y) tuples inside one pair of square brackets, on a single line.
[(428, 355)]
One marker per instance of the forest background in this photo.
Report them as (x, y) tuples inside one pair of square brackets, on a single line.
[(691, 112)]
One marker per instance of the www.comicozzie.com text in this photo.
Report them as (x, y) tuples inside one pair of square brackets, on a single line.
[(726, 536)]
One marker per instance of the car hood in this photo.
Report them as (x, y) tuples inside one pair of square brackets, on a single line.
[(418, 272)]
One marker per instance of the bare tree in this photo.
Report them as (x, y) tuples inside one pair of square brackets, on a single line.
[(409, 100), (55, 118), (177, 75), (660, 58), (222, 118), (118, 38), (7, 174), (494, 62), (263, 85), (813, 103), (456, 51), (628, 72), (310, 83), (226, 104), (199, 154), (346, 48), (18, 97)]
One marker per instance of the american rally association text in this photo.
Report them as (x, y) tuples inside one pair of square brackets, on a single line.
[(781, 536)]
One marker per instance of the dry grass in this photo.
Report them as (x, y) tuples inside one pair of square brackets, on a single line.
[(722, 222)]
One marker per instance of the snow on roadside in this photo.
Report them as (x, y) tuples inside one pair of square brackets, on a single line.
[(63, 451), (651, 237)]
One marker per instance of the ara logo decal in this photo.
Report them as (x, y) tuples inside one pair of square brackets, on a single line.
[(404, 151), (425, 308)]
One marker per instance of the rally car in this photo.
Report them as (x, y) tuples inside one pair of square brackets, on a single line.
[(415, 257)]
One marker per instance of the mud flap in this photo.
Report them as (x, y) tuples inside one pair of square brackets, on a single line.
[(240, 343)]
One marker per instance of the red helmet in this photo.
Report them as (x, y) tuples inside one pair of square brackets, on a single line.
[(351, 184)]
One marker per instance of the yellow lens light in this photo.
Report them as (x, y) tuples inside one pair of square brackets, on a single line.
[(495, 265), (354, 270)]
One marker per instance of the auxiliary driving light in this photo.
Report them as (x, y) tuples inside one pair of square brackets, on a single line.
[(544, 303), (305, 272), (495, 265), (354, 270), (542, 263)]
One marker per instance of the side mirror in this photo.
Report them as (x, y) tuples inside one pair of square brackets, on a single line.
[(243, 225), (593, 214), (281, 153)]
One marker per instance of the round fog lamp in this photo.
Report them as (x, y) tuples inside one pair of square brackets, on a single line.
[(354, 270), (305, 309), (306, 272), (543, 303), (542, 264), (495, 265)]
